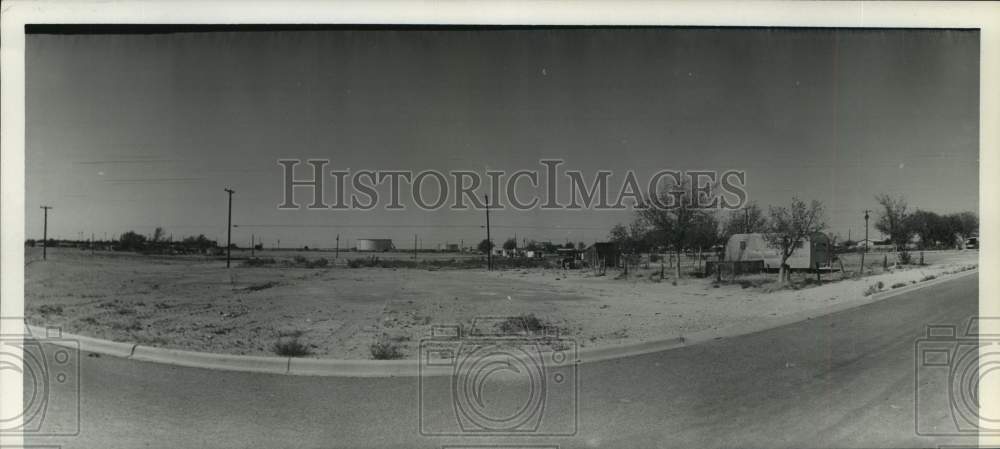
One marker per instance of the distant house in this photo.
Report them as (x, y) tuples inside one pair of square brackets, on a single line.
[(602, 254), (751, 247)]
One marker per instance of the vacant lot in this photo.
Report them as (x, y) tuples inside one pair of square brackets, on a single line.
[(339, 312)]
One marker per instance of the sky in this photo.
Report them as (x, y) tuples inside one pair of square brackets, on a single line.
[(135, 131)]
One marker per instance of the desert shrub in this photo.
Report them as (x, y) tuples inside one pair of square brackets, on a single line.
[(47, 309), (133, 325), (259, 261), (899, 284), (290, 347), (525, 322), (317, 263), (385, 349), (301, 261), (881, 285), (262, 286), (905, 258), (871, 290)]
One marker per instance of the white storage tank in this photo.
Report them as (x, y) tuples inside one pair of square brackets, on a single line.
[(376, 245)]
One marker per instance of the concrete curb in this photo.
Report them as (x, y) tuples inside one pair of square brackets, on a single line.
[(410, 368)]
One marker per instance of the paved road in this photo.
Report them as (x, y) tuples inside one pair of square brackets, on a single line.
[(844, 380)]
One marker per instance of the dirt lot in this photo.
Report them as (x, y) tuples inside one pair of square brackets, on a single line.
[(338, 312)]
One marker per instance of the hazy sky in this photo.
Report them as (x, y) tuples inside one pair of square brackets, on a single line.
[(134, 131)]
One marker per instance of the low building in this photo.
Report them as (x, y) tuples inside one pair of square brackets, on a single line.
[(752, 247), (600, 254)]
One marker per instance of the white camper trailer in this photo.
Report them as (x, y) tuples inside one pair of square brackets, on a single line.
[(748, 247)]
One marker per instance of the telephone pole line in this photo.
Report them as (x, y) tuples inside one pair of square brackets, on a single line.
[(229, 227), (336, 252), (45, 233)]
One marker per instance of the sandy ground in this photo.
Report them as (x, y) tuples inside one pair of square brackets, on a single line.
[(338, 312)]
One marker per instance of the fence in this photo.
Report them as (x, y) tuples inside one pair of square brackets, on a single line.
[(732, 268)]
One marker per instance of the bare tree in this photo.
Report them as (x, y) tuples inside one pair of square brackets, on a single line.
[(788, 227), (749, 220), (673, 216), (892, 220), (630, 239), (158, 235)]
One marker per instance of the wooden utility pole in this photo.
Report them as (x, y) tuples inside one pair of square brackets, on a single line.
[(489, 243), (229, 228), (336, 252), (414, 246), (45, 232), (253, 244), (91, 243), (867, 243)]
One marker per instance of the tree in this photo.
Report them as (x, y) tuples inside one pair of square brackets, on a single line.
[(892, 220), (672, 216), (581, 246), (485, 246), (132, 241), (629, 238), (510, 244), (568, 245), (963, 224), (932, 228), (749, 220), (199, 243), (788, 227), (157, 235), (706, 233)]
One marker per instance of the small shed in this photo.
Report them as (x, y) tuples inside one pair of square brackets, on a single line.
[(751, 247), (601, 253)]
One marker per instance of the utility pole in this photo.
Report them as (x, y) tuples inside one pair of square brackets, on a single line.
[(867, 242), (414, 246), (253, 244), (489, 242), (229, 227), (45, 232), (746, 220), (336, 252), (91, 243)]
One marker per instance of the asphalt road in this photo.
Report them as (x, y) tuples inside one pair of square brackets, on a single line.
[(843, 380)]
